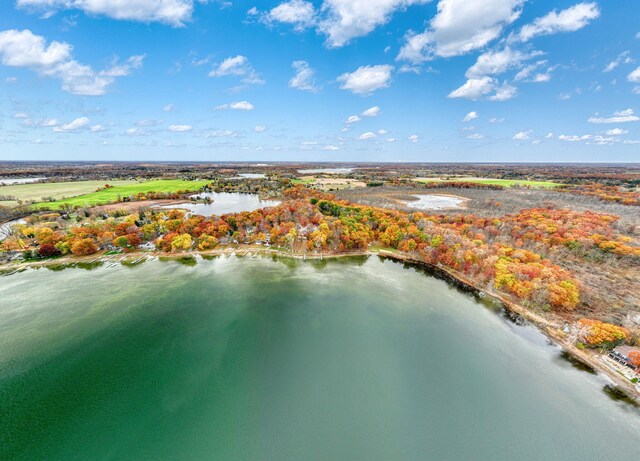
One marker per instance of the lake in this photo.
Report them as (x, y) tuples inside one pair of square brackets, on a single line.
[(10, 181), (225, 202), (435, 202), (261, 359)]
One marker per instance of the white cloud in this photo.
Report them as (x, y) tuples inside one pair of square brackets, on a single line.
[(168, 108), (470, 116), (593, 139), (304, 79), (172, 12), (135, 132), (475, 136), (523, 135), (413, 138), (526, 72), (541, 78), (569, 20), (367, 135), (21, 115), (220, 134), (73, 126), (634, 76), (622, 116), (237, 66), (96, 128), (330, 148), (241, 105), (180, 128), (352, 119), (25, 49), (460, 26), (348, 19), (474, 88), (297, 12), (260, 128), (366, 79), (45, 122), (497, 62), (623, 58), (616, 132), (371, 112), (504, 93)]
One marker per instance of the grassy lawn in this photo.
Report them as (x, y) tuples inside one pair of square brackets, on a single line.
[(112, 195), (500, 182), (303, 181), (57, 190)]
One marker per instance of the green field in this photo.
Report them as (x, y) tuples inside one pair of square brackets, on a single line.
[(498, 182), (126, 189), (57, 190)]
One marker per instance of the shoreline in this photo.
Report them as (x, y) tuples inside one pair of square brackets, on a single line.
[(551, 329)]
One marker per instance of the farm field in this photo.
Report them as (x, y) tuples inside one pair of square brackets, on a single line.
[(497, 182), (112, 194), (58, 190)]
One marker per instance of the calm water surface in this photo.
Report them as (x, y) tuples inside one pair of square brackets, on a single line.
[(254, 359), (435, 202), (226, 202)]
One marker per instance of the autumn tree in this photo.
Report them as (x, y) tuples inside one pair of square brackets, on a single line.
[(83, 247)]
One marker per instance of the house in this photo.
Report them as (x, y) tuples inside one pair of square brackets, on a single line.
[(621, 354)]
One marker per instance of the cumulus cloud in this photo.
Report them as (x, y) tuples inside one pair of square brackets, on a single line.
[(475, 136), (616, 132), (240, 105), (474, 88), (634, 76), (22, 48), (413, 138), (460, 26), (304, 79), (172, 12), (348, 19), (352, 119), (498, 61), (371, 112), (504, 93), (569, 20), (180, 128), (622, 116), (237, 66), (299, 13), (331, 147), (367, 135), (523, 135), (366, 79), (470, 116), (168, 108), (74, 126)]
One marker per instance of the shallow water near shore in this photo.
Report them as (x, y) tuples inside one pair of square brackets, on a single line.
[(254, 358)]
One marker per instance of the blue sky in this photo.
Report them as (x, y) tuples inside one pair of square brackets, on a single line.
[(352, 80)]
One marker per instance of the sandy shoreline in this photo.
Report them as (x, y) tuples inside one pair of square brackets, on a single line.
[(552, 330)]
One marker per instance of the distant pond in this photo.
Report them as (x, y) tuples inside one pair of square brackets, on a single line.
[(11, 181), (436, 202), (224, 202)]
